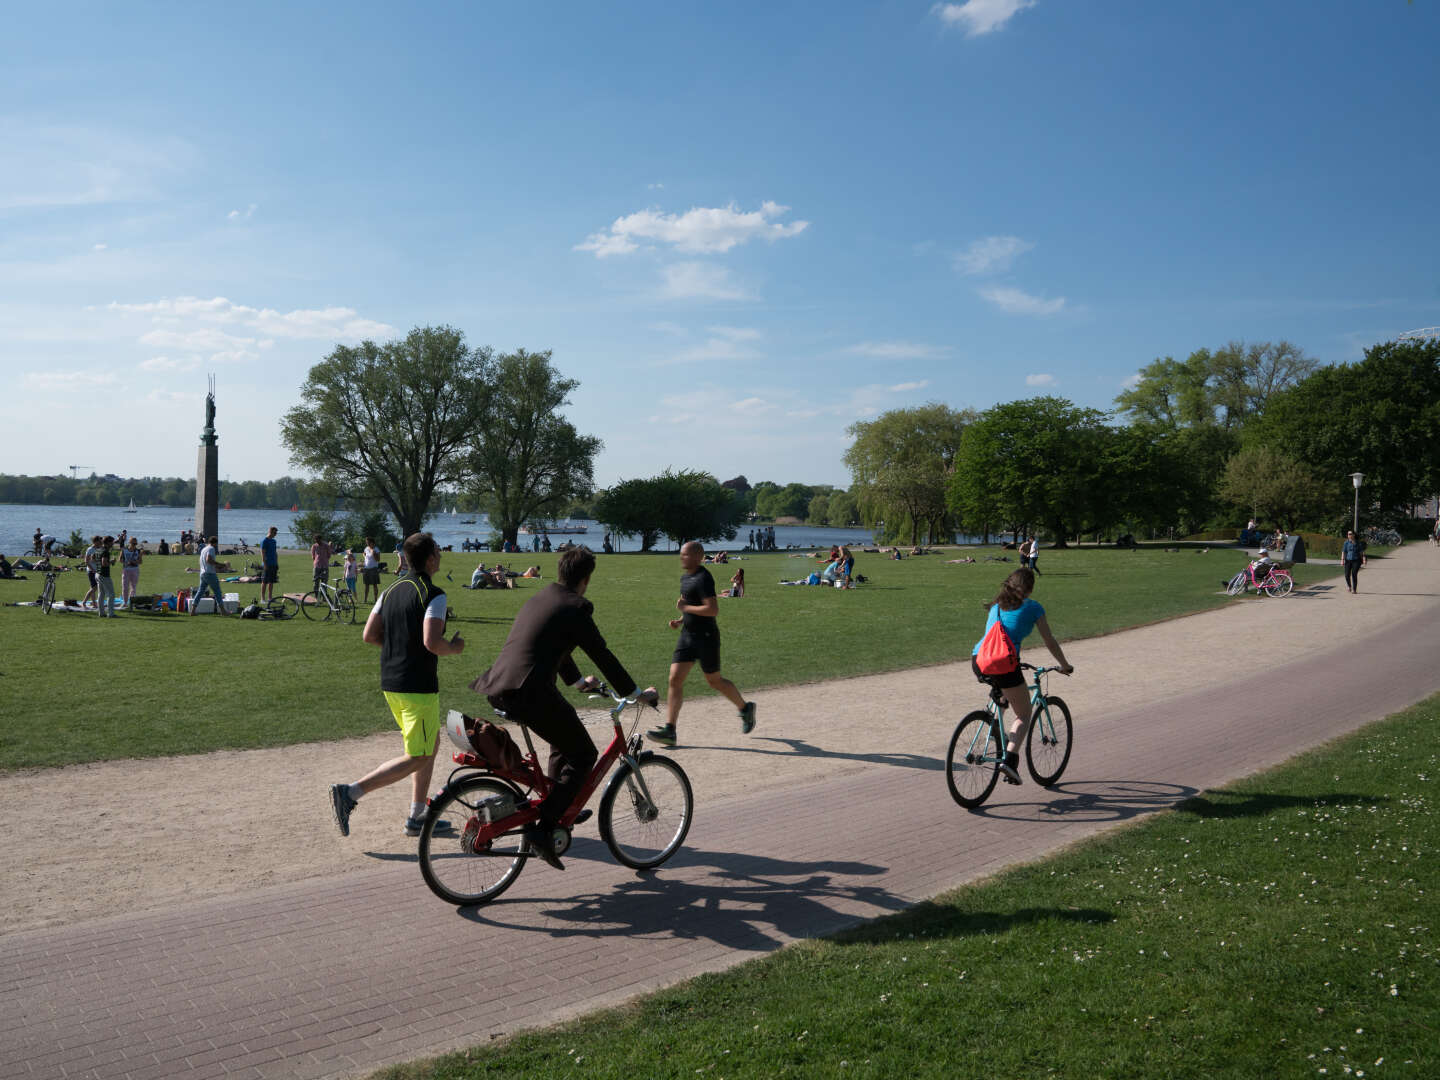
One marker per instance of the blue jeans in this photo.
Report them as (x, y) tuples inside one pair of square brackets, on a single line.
[(208, 583)]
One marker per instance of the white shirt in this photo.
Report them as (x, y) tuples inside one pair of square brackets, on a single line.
[(207, 559), (372, 558)]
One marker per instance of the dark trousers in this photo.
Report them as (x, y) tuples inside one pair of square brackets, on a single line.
[(1352, 574), (572, 752)]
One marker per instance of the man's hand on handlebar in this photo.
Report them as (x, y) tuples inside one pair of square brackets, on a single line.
[(589, 685), (1066, 669), (649, 696)]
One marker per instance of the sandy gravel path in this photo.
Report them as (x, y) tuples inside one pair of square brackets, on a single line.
[(169, 831)]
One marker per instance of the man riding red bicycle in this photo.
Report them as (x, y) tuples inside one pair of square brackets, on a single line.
[(549, 627)]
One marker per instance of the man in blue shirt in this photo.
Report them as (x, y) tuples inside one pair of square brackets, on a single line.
[(269, 566)]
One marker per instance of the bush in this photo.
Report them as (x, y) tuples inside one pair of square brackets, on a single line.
[(358, 524), (306, 525)]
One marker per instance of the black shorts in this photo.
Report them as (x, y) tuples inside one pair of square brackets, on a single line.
[(1000, 682), (702, 647), (370, 575), (269, 575), (90, 574)]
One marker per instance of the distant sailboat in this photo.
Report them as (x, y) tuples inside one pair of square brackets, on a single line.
[(131, 508), (294, 507), (227, 506)]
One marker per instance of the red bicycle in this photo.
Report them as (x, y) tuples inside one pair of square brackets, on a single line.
[(645, 810)]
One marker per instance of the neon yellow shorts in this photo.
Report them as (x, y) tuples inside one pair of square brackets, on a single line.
[(419, 718)]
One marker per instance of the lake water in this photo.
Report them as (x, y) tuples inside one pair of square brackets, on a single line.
[(150, 523)]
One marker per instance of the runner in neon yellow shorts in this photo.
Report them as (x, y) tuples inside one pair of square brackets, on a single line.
[(419, 718)]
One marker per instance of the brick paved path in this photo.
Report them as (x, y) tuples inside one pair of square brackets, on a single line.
[(340, 975)]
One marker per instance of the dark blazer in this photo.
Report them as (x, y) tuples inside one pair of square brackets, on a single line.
[(550, 626)]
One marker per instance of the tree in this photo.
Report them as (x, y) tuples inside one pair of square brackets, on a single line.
[(844, 510), (526, 461), (1033, 462), (1225, 388), (1380, 417), (901, 462), (790, 501), (683, 505), (390, 423), (1273, 486), (818, 512)]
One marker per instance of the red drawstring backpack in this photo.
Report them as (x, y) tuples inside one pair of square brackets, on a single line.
[(997, 655)]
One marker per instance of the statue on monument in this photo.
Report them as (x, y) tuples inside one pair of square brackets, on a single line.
[(207, 437)]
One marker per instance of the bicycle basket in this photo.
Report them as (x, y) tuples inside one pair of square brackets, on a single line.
[(490, 741)]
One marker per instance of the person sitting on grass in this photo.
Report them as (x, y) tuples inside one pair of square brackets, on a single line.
[(737, 585), (6, 570)]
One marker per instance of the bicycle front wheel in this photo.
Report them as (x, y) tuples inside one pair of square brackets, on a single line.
[(47, 599), (283, 607), (314, 607), (346, 605), (1047, 749), (458, 870), (972, 764), (644, 817), (1280, 585)]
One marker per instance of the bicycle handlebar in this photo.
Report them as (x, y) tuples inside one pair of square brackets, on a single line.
[(1046, 670)]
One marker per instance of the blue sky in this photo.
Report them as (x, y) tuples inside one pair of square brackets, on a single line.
[(742, 227)]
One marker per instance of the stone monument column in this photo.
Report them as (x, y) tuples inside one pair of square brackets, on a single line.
[(207, 474)]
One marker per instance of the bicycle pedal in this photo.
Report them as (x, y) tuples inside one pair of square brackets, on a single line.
[(583, 816)]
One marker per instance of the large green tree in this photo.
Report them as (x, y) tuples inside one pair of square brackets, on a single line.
[(1380, 417), (684, 505), (1030, 463), (389, 423), (901, 463), (1275, 487), (1226, 388), (526, 461)]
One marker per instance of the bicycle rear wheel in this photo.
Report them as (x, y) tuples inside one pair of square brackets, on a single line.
[(455, 869), (647, 825), (47, 597), (1047, 748), (1237, 584), (313, 606), (346, 603), (972, 764)]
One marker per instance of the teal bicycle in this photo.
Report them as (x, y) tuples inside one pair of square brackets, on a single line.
[(972, 764)]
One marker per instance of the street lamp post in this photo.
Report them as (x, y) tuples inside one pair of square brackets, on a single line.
[(1357, 478)]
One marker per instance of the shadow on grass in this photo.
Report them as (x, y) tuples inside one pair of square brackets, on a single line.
[(750, 902), (1092, 800), (1227, 804), (937, 920), (805, 749)]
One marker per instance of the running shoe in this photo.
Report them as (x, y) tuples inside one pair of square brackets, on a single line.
[(664, 734), (414, 825), (747, 718), (341, 804)]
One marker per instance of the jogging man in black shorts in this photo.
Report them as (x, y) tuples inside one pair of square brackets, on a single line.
[(699, 641)]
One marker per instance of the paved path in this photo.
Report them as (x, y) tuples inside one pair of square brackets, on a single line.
[(340, 974)]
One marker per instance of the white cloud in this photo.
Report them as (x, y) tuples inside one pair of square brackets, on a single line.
[(332, 323), (751, 405), (242, 215), (991, 254), (99, 247), (67, 380), (978, 17), (56, 165), (656, 187), (700, 230), (692, 281), (898, 350), (736, 333), (200, 339), (165, 363), (1015, 302), (171, 397), (712, 350), (1039, 380), (1131, 381), (905, 387)]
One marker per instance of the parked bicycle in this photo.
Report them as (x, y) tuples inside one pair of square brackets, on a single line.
[(645, 810), (329, 601), (1377, 534), (280, 607), (1276, 582), (47, 593), (972, 764)]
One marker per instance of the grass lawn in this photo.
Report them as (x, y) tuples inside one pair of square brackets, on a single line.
[(1284, 926), (141, 686)]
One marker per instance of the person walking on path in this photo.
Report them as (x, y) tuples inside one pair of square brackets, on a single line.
[(269, 565), (408, 624), (699, 641), (104, 585), (1018, 614), (549, 627), (1352, 554), (320, 552), (130, 559), (209, 578)]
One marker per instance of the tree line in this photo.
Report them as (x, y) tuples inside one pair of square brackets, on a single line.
[(112, 490), (1202, 443)]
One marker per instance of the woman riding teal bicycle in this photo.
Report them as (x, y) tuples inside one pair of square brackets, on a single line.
[(1018, 614)]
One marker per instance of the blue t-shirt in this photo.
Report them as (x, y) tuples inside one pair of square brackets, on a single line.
[(1017, 623), (268, 553)]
